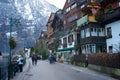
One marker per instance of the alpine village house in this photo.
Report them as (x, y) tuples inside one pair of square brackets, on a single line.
[(85, 31), (85, 27)]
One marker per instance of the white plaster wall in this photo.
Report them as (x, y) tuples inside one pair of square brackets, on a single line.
[(115, 40), (68, 46)]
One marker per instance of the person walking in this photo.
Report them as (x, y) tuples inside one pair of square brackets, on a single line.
[(36, 58), (50, 59), (33, 60), (20, 63)]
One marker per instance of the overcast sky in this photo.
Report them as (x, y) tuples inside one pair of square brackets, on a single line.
[(57, 3)]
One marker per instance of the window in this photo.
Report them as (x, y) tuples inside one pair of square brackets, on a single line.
[(110, 49), (67, 10), (82, 6), (88, 48), (65, 42), (70, 7), (109, 35), (93, 48), (87, 32), (83, 48), (101, 32), (70, 39), (82, 34), (64, 22), (97, 31), (72, 17), (119, 4), (73, 5), (93, 31)]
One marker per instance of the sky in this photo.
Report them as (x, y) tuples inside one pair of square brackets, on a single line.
[(57, 3)]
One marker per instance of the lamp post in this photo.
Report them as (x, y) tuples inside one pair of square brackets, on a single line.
[(10, 55), (12, 44), (11, 24)]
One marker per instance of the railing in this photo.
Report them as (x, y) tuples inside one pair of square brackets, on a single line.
[(105, 59), (81, 58), (12, 69), (7, 70), (3, 68), (82, 20), (3, 72)]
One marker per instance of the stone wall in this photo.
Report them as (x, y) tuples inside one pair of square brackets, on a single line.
[(111, 71)]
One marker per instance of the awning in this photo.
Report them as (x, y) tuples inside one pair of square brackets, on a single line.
[(66, 49)]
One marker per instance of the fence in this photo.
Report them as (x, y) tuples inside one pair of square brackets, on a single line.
[(81, 58), (8, 71), (4, 68)]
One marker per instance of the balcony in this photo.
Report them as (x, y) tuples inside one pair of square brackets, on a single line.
[(112, 15), (82, 21), (92, 40), (85, 20)]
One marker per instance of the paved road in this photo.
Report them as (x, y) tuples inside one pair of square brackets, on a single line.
[(45, 71)]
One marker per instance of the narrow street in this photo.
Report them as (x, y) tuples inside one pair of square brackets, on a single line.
[(83, 32), (58, 71)]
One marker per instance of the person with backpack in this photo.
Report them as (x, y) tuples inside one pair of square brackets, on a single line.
[(20, 63)]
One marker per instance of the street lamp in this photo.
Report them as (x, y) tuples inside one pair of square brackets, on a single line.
[(12, 43), (11, 24), (10, 55)]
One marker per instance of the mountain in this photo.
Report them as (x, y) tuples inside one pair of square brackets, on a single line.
[(28, 18)]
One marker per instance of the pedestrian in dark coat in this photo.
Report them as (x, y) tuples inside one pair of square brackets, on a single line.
[(20, 63), (33, 60), (36, 58)]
